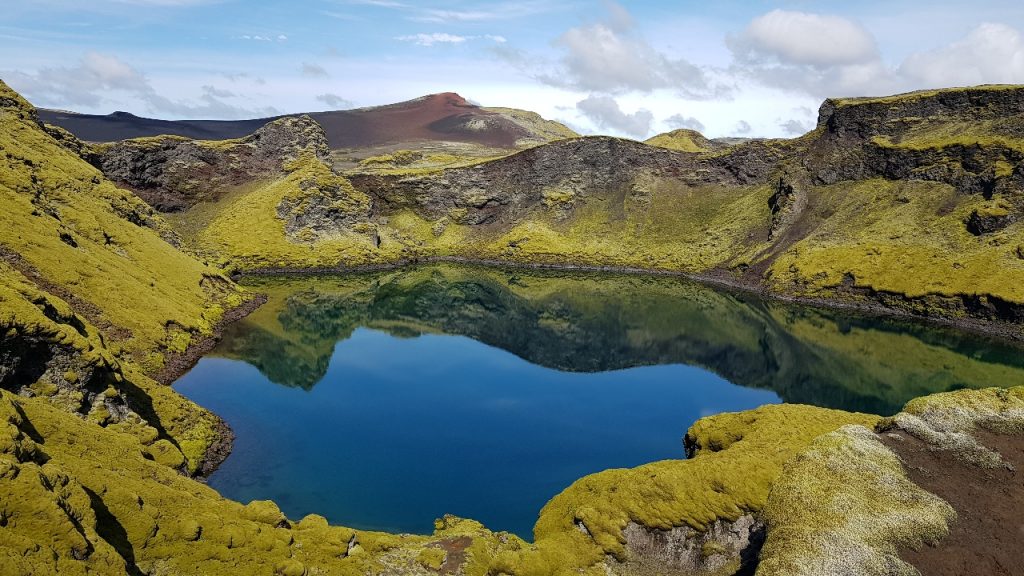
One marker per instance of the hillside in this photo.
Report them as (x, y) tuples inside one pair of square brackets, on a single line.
[(684, 140), (437, 117), (909, 204)]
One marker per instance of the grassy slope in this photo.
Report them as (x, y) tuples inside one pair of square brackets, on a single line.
[(902, 237), (874, 232), (665, 226), (76, 244), (845, 504), (75, 229), (683, 140)]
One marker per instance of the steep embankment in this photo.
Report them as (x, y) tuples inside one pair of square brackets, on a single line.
[(96, 299), (445, 116)]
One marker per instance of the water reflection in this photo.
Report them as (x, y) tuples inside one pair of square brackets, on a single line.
[(599, 322)]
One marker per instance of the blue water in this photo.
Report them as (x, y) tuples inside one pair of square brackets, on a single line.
[(385, 400), (403, 430)]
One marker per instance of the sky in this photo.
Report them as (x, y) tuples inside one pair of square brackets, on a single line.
[(724, 67)]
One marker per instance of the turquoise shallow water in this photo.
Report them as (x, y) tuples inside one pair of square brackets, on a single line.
[(383, 401)]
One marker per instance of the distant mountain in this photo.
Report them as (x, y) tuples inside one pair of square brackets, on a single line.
[(446, 116)]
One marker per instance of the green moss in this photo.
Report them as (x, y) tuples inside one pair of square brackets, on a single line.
[(921, 95), (398, 158), (137, 287), (846, 505), (432, 558), (738, 457), (416, 162), (946, 421), (682, 140), (711, 548), (163, 452), (916, 248), (557, 197)]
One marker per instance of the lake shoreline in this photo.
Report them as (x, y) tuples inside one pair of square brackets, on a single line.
[(179, 364), (1000, 330)]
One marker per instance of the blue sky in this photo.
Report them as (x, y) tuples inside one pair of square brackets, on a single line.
[(631, 68)]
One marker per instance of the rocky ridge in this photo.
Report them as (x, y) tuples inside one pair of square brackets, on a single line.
[(174, 173)]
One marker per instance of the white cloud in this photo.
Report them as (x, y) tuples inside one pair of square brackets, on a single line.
[(244, 76), (743, 127), (612, 57), (261, 38), (492, 12), (795, 127), (81, 84), (334, 101), (97, 77), (605, 112), (826, 56), (991, 53), (431, 39), (217, 92), (600, 58), (817, 54), (445, 38), (311, 70), (677, 121), (803, 38)]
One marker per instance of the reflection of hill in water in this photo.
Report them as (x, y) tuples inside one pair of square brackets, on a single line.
[(588, 323)]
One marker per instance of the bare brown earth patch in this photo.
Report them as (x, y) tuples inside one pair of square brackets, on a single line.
[(455, 553), (988, 535)]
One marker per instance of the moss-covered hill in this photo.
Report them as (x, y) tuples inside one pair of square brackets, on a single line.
[(910, 203)]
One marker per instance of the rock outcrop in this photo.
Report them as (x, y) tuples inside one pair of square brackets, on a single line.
[(173, 173), (565, 174)]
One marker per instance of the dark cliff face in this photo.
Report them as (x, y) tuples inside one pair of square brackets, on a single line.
[(865, 117), (568, 173), (172, 173), (968, 138)]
